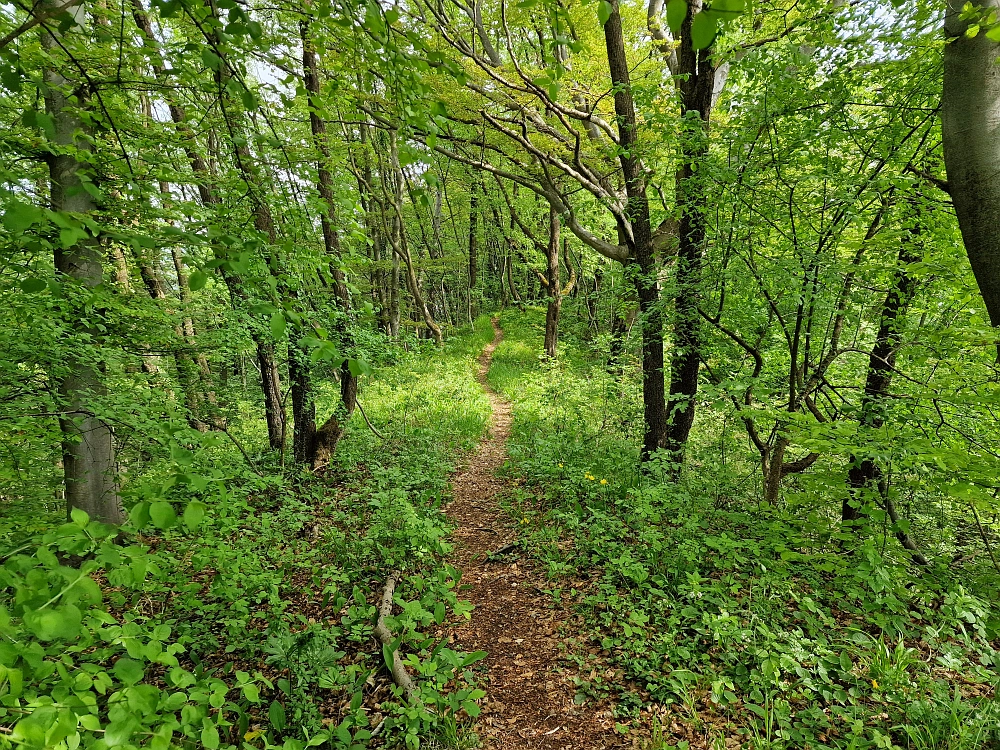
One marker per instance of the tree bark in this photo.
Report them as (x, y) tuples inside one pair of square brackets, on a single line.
[(270, 379), (641, 267), (865, 476), (473, 248), (400, 247), (88, 441), (307, 445), (696, 82), (970, 115), (555, 293)]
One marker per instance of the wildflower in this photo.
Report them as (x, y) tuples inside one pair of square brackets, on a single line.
[(560, 466), (524, 520), (604, 481), (875, 684), (591, 477)]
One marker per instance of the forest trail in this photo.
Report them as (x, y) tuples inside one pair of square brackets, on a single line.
[(529, 703)]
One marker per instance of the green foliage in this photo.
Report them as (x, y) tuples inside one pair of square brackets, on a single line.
[(714, 604)]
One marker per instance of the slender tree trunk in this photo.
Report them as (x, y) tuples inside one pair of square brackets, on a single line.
[(555, 294), (310, 444), (88, 440), (270, 379), (970, 115), (696, 85), (642, 267), (510, 282), (473, 248), (400, 247), (865, 476)]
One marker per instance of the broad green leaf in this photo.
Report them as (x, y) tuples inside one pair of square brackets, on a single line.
[(194, 514), (209, 734), (129, 671), (604, 11), (704, 27), (278, 325), (359, 367), (139, 515), (162, 514), (276, 715), (33, 285), (677, 11), (212, 61), (197, 280), (19, 216)]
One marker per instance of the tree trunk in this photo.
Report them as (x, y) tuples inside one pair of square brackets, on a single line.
[(270, 380), (307, 445), (970, 115), (696, 83), (641, 268), (473, 248), (400, 247), (555, 295), (88, 441), (865, 477)]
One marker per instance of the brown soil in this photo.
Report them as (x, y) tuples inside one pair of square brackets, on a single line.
[(529, 703)]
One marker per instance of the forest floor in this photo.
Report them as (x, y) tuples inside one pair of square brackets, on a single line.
[(530, 694)]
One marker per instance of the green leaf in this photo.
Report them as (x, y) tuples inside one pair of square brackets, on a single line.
[(359, 367), (439, 613), (249, 99), (604, 11), (197, 280), (61, 623), (211, 60), (129, 671), (704, 27), (251, 692), (32, 118), (277, 325), (162, 514), (33, 285), (19, 216), (730, 8), (993, 34), (194, 514), (276, 715), (79, 517), (474, 657), (209, 734), (121, 731), (139, 515), (677, 11)]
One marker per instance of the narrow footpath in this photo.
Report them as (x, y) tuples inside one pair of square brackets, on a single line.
[(529, 703)]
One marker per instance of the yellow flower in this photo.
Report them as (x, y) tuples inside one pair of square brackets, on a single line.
[(524, 520), (590, 477), (560, 466), (604, 481), (875, 684)]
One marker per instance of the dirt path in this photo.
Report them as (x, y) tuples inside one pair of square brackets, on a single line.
[(529, 704)]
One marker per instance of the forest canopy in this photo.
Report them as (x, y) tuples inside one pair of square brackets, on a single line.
[(706, 294)]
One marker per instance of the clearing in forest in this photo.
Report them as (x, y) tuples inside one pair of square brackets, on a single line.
[(529, 702)]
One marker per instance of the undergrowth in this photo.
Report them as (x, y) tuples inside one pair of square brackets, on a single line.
[(720, 616), (240, 610)]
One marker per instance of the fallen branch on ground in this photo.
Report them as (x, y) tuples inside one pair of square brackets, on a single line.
[(505, 549), (399, 674), (368, 422)]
